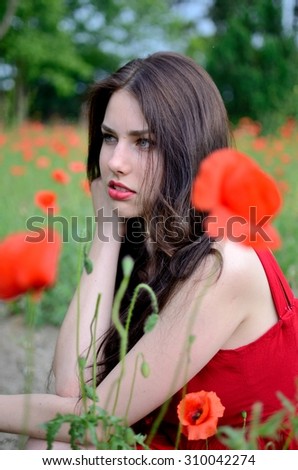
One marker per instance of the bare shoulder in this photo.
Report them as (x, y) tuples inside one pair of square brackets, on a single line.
[(231, 274), (244, 284), (241, 267), (229, 298), (238, 277)]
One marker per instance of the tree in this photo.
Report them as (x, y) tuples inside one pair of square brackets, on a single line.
[(38, 50), (55, 49), (253, 61), (7, 17)]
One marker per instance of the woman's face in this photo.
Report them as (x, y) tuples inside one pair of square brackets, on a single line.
[(124, 155)]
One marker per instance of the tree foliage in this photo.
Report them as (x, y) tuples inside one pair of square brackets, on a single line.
[(54, 50), (51, 51), (253, 60), (7, 16), (40, 54)]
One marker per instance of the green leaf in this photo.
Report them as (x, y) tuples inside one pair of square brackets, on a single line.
[(272, 425), (287, 404), (233, 438), (91, 393), (130, 437)]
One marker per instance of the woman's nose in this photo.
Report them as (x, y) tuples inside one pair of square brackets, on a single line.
[(120, 161)]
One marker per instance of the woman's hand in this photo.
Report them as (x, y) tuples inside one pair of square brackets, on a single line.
[(109, 223), (104, 256), (99, 197)]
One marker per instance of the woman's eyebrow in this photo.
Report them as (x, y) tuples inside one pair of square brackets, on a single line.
[(107, 129), (141, 132)]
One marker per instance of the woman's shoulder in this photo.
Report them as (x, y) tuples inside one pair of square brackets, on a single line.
[(239, 265), (236, 275), (235, 254), (242, 289)]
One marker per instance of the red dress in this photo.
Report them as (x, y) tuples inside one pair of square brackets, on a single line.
[(246, 375)]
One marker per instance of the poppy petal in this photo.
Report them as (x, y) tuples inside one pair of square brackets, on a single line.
[(28, 262), (232, 188), (198, 412)]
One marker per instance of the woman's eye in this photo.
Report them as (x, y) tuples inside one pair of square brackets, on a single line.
[(108, 138), (145, 144)]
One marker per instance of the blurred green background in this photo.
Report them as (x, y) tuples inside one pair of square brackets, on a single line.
[(51, 51)]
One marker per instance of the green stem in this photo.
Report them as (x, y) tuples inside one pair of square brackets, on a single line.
[(121, 331), (189, 344), (158, 421), (94, 366), (254, 425), (132, 386), (134, 299), (81, 368)]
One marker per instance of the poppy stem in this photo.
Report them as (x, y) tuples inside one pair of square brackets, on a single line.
[(123, 333), (132, 385)]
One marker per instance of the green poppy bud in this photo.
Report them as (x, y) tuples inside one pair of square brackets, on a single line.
[(145, 369), (127, 265)]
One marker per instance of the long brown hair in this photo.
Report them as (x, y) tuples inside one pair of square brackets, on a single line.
[(186, 115)]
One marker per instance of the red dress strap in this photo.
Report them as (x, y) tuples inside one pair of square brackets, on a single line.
[(282, 293)]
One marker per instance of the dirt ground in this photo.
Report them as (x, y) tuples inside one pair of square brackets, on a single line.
[(14, 362)]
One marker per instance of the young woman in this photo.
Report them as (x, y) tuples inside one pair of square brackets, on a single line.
[(151, 124)]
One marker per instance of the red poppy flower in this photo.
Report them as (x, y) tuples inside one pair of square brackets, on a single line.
[(17, 170), (260, 143), (46, 200), (77, 167), (285, 158), (60, 176), (198, 413), (27, 154), (28, 262), (283, 186), (2, 139), (288, 128), (60, 148), (43, 162), (251, 127), (73, 139), (239, 196)]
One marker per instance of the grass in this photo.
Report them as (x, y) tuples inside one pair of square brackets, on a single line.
[(30, 154)]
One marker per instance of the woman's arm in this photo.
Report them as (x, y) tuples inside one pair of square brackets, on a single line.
[(104, 254), (212, 316), (212, 313), (24, 414)]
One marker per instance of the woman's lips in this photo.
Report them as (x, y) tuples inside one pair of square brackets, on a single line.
[(119, 191)]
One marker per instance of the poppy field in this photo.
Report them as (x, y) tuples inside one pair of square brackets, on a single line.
[(44, 185)]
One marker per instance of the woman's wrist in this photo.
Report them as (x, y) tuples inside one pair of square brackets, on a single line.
[(105, 240)]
